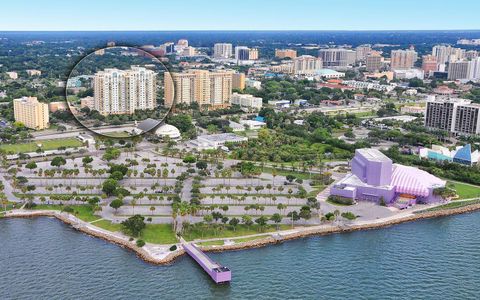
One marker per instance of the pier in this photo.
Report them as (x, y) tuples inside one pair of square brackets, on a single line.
[(217, 272)]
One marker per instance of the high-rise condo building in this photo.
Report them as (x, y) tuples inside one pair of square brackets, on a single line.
[(222, 50), (242, 53), (238, 81), (374, 61), (458, 70), (307, 65), (284, 53), (124, 91), (253, 54), (362, 51), (337, 57), (403, 59), (245, 53), (31, 113), (208, 89), (447, 53), (464, 69), (458, 116)]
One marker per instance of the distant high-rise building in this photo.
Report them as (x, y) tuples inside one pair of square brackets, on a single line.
[(242, 53), (429, 64), (284, 53), (337, 57), (374, 61), (182, 43), (403, 59), (458, 70), (212, 89), (222, 50), (31, 113), (447, 53), (253, 54), (188, 51), (458, 116), (238, 81), (306, 65), (122, 92), (362, 51)]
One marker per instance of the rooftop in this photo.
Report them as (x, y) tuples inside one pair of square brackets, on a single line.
[(373, 155)]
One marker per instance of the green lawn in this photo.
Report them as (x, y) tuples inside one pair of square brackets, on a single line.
[(281, 172), (158, 234), (212, 243), (465, 191), (108, 225), (241, 230), (451, 205), (83, 212), (46, 145)]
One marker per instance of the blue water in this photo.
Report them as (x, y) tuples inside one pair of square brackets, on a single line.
[(430, 259)]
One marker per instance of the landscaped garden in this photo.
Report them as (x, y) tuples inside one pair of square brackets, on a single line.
[(45, 145)]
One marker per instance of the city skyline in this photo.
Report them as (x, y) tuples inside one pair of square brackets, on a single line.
[(316, 15)]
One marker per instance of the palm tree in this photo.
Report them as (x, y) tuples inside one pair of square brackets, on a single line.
[(152, 209)]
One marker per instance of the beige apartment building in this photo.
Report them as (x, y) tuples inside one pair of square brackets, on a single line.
[(238, 81), (124, 91), (284, 53), (31, 113), (208, 89), (403, 59)]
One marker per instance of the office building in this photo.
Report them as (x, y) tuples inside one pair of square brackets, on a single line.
[(31, 113), (208, 89), (374, 61), (403, 59), (337, 57), (238, 81), (222, 50), (124, 91), (285, 53), (306, 65)]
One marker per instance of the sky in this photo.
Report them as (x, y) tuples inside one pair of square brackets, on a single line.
[(238, 15)]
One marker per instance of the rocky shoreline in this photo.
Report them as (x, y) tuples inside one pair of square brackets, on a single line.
[(261, 242)]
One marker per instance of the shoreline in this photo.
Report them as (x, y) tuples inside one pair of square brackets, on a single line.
[(147, 252)]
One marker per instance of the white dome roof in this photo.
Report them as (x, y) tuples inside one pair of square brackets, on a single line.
[(168, 130)]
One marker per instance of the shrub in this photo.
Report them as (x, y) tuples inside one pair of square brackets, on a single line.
[(30, 205), (140, 243), (340, 200), (173, 248), (349, 215), (330, 216)]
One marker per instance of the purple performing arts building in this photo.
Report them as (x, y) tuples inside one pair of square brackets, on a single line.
[(374, 177)]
